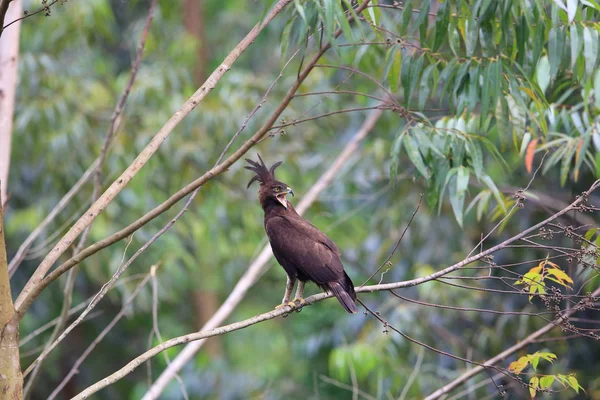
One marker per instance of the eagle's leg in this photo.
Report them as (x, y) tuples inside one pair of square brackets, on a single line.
[(300, 293), (289, 286)]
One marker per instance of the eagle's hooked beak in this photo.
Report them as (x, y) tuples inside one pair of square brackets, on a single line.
[(281, 196)]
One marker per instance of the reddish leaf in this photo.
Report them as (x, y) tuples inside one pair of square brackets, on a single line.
[(529, 154), (576, 173)]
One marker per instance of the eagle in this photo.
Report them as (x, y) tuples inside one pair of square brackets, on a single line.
[(304, 252)]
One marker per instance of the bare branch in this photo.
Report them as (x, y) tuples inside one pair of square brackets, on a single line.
[(105, 331), (501, 356), (32, 288), (284, 310)]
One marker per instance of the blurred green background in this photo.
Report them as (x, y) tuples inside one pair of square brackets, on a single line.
[(73, 66)]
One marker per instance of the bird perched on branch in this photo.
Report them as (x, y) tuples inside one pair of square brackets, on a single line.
[(305, 252)]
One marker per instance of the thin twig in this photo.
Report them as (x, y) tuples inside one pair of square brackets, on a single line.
[(29, 14), (75, 368), (412, 217)]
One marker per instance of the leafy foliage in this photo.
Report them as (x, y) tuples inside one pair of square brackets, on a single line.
[(542, 382), (534, 279)]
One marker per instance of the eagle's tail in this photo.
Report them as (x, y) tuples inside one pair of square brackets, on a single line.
[(343, 290)]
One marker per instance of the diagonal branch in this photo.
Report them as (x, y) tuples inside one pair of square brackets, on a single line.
[(132, 365), (25, 297), (258, 266), (501, 356)]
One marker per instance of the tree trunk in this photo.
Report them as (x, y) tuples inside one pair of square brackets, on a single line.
[(9, 51), (11, 379), (193, 21), (206, 302)]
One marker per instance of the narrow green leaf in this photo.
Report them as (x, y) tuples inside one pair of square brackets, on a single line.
[(423, 19), (575, 34), (425, 86), (476, 157), (597, 88), (395, 155), (486, 96), (300, 10), (566, 161), (412, 149), (473, 89), (456, 200), (416, 68), (571, 10), (542, 73), (451, 175), (492, 186), (501, 114), (518, 116), (482, 207), (406, 16), (590, 49), (342, 20), (394, 76), (441, 24), (555, 49), (472, 30), (539, 39), (407, 61), (591, 3)]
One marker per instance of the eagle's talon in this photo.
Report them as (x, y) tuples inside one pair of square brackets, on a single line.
[(299, 303), (282, 305)]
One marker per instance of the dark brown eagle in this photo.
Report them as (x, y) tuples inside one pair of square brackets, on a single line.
[(305, 252)]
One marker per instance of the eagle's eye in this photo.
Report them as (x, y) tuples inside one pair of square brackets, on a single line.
[(277, 189)]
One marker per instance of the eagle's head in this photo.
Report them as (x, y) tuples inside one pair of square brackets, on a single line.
[(271, 191)]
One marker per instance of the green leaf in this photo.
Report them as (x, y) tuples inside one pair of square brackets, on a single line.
[(395, 154), (406, 15), (533, 385), (546, 382), (542, 73), (502, 119), (590, 233), (451, 174), (415, 70), (555, 49), (394, 72), (492, 186), (412, 149), (476, 157), (425, 87), (518, 116), (441, 24), (423, 19), (566, 161), (575, 33), (574, 383), (457, 193), (597, 88), (590, 49), (482, 207), (571, 10), (300, 10), (472, 30)]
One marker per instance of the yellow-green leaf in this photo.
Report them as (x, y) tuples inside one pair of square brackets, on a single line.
[(533, 385)]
